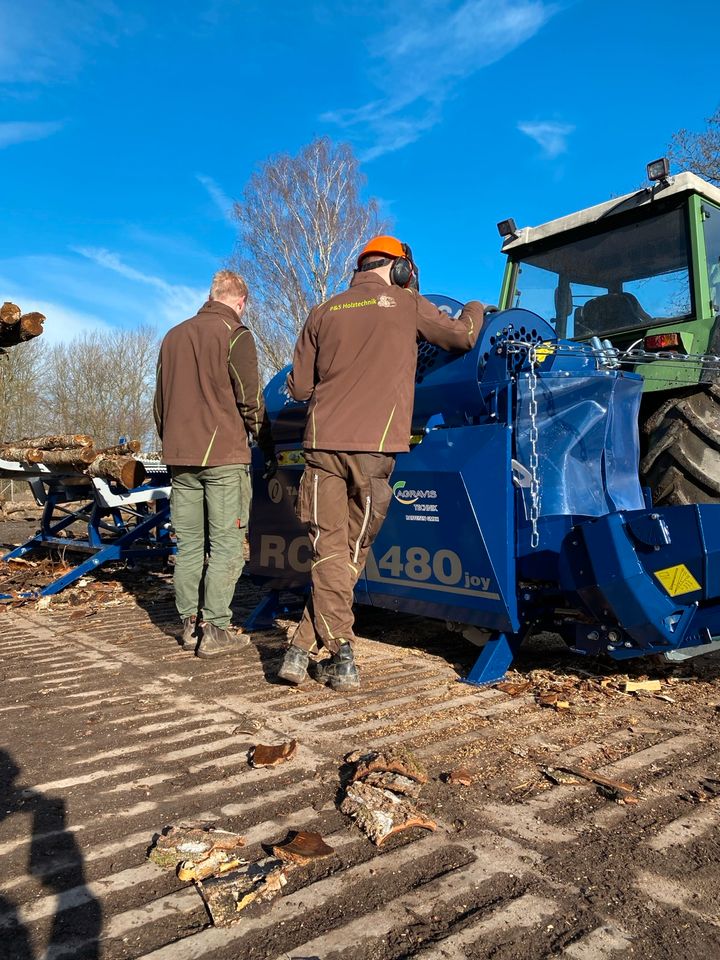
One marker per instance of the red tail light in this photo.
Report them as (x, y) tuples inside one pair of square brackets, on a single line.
[(663, 341)]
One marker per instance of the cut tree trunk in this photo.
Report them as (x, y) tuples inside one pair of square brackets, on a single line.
[(64, 441), (21, 454), (78, 458), (128, 471), (122, 449), (31, 325), (10, 313)]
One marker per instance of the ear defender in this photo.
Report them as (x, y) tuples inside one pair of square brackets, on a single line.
[(403, 269)]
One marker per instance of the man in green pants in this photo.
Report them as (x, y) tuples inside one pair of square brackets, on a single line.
[(208, 402)]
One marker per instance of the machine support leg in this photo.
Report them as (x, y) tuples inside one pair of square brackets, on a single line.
[(264, 614), (496, 657)]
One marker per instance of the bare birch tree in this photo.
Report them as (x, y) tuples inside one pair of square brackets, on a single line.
[(301, 222), (699, 152)]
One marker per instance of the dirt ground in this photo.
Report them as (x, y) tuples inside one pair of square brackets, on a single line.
[(111, 732)]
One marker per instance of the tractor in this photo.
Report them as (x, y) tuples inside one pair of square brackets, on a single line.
[(643, 271)]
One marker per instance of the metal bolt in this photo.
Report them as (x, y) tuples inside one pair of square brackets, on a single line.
[(610, 647), (593, 635), (614, 636)]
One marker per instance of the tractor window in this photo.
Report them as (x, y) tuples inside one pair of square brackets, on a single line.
[(624, 279), (711, 223)]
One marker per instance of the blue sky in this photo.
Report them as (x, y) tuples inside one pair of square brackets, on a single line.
[(126, 129)]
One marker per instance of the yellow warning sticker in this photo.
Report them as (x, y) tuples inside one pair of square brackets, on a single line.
[(544, 350), (677, 580)]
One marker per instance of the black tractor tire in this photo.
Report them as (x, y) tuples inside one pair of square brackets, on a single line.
[(682, 463)]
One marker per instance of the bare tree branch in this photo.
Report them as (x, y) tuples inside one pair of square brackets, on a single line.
[(699, 152), (301, 223)]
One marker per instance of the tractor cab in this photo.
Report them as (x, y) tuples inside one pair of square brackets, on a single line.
[(642, 270)]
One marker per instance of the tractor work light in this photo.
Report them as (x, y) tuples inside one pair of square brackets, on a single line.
[(658, 170), (663, 341), (507, 228)]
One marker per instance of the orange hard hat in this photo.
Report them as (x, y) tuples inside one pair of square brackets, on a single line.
[(390, 246)]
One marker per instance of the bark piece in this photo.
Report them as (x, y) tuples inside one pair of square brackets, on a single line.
[(128, 471), (263, 755), (390, 760), (196, 844), (381, 813), (560, 776), (618, 786), (631, 686), (461, 777), (302, 847), (225, 896), (395, 782)]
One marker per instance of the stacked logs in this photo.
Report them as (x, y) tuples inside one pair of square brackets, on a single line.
[(76, 453), (16, 326)]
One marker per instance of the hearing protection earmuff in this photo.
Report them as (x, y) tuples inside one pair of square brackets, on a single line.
[(404, 272)]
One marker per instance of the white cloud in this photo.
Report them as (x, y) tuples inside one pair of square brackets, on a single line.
[(176, 301), (441, 45), (21, 131), (43, 41), (218, 196), (550, 135)]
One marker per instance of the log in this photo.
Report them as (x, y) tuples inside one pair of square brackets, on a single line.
[(10, 313), (77, 458), (122, 449), (63, 441), (128, 471), (31, 325), (21, 454)]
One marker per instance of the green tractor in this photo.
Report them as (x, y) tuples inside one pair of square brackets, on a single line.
[(642, 271)]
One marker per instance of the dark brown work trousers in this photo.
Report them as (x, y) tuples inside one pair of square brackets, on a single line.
[(344, 497)]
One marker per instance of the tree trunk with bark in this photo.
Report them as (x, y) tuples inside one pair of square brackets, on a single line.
[(128, 471)]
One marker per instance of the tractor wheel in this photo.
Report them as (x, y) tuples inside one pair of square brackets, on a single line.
[(682, 463)]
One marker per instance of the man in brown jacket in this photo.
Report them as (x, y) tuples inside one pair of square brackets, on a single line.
[(207, 402), (355, 362)]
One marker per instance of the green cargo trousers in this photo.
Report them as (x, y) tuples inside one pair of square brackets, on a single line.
[(209, 508)]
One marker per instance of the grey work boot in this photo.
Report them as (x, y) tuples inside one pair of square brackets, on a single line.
[(190, 634), (294, 665), (340, 671), (219, 641)]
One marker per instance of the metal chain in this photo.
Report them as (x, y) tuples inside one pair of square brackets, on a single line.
[(534, 482), (629, 357)]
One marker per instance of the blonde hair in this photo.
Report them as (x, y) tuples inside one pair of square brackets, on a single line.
[(226, 285)]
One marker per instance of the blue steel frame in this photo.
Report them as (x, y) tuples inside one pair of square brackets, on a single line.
[(111, 533)]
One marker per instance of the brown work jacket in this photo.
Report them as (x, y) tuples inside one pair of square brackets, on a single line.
[(355, 362), (208, 397)]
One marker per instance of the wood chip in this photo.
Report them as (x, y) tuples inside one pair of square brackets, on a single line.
[(631, 686), (381, 813), (302, 847), (514, 689), (263, 755), (461, 777)]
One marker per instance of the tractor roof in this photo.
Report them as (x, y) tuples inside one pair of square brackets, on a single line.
[(682, 183)]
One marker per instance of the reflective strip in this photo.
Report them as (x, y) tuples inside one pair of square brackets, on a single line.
[(316, 562), (316, 481), (313, 427), (363, 528), (207, 452), (353, 568), (392, 414), (327, 627), (239, 381)]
